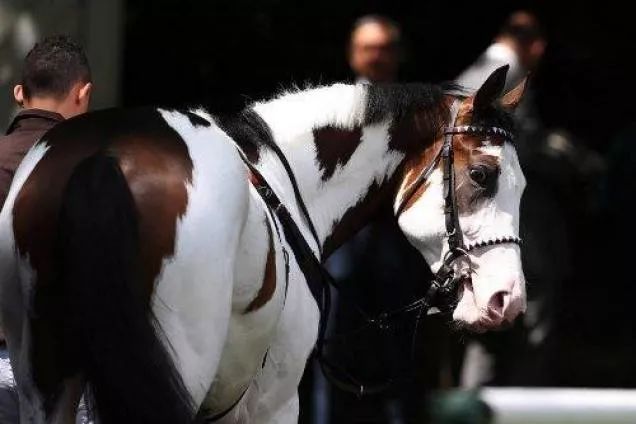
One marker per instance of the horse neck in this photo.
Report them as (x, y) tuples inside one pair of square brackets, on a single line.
[(343, 159)]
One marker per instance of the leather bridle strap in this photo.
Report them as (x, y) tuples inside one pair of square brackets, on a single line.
[(445, 155), (475, 129), (415, 185), (455, 238), (299, 198)]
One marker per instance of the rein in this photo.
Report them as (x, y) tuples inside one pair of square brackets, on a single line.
[(442, 292)]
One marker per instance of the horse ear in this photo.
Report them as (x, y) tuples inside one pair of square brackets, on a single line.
[(491, 89), (512, 98)]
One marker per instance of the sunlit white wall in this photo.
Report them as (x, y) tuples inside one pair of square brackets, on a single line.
[(524, 405)]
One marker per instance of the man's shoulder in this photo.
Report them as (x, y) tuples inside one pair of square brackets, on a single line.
[(18, 142), (27, 127), (34, 119)]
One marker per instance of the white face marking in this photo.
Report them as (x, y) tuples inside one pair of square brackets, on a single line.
[(490, 150), (497, 269)]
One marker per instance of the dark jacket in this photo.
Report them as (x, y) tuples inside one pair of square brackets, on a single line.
[(25, 129)]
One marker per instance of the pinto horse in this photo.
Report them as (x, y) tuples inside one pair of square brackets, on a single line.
[(140, 263)]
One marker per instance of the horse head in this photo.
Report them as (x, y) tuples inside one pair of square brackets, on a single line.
[(487, 183)]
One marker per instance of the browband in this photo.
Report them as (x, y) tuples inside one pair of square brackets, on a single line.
[(473, 129)]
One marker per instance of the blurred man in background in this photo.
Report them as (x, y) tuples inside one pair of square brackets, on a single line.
[(555, 166), (520, 44), (375, 49), (379, 270), (55, 85)]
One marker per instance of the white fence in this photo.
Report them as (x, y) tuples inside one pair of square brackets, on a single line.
[(561, 406)]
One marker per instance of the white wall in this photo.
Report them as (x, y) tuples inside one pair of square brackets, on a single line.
[(561, 406)]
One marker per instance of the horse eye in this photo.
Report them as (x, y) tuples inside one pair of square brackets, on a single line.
[(479, 174)]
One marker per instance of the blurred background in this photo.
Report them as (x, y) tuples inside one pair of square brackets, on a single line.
[(580, 157)]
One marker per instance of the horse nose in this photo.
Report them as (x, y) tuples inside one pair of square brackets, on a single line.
[(497, 305)]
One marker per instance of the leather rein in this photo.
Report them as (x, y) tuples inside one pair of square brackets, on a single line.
[(443, 290)]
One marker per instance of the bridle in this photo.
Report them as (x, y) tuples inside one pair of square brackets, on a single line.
[(446, 280), (442, 292)]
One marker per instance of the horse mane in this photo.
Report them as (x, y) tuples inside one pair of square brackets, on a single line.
[(399, 100), (396, 102), (384, 100)]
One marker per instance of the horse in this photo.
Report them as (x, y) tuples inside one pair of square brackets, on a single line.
[(142, 264)]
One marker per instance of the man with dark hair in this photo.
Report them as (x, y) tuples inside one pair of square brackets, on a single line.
[(521, 356), (56, 85), (374, 49), (378, 268)]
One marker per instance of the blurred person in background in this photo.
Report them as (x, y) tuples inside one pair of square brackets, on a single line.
[(617, 195), (375, 49), (55, 85), (378, 270), (520, 44), (555, 166)]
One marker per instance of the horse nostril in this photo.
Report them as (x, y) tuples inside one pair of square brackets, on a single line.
[(497, 303)]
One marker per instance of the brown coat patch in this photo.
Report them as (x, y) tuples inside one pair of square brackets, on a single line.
[(157, 171), (157, 165), (413, 168), (334, 146), (155, 161), (269, 276), (359, 215)]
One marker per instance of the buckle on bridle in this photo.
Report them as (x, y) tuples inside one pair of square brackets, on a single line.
[(446, 280), (455, 253)]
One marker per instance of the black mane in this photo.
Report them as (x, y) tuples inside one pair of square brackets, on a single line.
[(399, 101)]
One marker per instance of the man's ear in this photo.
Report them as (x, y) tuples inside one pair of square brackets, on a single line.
[(18, 94), (512, 98), (84, 92)]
